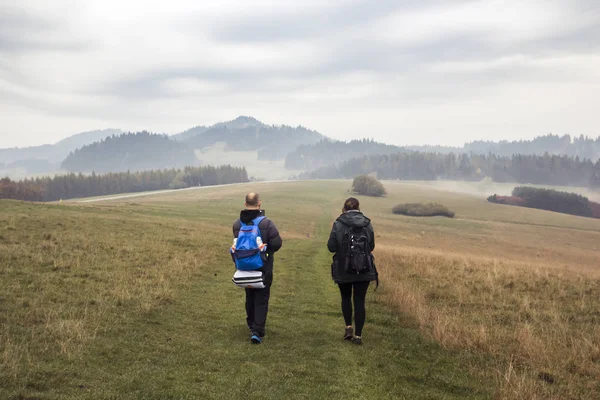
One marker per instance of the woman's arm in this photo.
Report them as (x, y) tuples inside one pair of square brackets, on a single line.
[(332, 244), (372, 233)]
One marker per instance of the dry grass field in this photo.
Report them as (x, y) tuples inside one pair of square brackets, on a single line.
[(131, 298), (518, 286)]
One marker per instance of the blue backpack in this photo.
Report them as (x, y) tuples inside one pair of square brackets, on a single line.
[(247, 255)]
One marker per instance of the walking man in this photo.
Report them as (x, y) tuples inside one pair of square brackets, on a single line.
[(257, 300)]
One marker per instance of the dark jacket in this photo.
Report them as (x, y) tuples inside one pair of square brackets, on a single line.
[(334, 244), (268, 233)]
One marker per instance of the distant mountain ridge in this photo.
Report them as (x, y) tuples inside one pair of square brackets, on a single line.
[(55, 153), (273, 142), (300, 147)]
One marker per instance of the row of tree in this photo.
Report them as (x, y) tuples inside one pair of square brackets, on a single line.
[(80, 185), (581, 146), (544, 170), (327, 152), (549, 199)]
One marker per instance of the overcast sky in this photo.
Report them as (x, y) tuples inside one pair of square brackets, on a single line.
[(402, 72)]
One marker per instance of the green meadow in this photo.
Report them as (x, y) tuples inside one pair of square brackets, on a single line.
[(132, 299)]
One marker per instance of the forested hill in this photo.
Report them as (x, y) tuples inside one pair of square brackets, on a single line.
[(582, 147), (273, 142), (530, 169), (130, 152), (328, 152)]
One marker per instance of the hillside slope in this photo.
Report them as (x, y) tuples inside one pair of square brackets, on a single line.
[(273, 142), (140, 151), (328, 152)]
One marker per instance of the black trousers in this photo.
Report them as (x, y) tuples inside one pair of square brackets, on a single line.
[(360, 314), (257, 306)]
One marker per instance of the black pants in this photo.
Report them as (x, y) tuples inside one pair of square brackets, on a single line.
[(360, 292), (257, 306)]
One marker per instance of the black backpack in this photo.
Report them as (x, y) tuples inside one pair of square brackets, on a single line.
[(356, 246)]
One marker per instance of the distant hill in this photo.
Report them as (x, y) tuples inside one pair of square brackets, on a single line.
[(131, 152), (582, 147), (57, 152), (45, 159), (273, 142), (189, 133), (328, 152)]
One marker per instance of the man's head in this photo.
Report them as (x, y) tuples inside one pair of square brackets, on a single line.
[(253, 201)]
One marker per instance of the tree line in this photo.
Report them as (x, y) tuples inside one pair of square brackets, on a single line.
[(533, 169), (79, 185), (574, 146), (551, 200)]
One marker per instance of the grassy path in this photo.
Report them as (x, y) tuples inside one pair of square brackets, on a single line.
[(197, 345)]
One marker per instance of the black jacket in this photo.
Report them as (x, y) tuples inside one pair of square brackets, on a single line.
[(334, 244), (268, 233)]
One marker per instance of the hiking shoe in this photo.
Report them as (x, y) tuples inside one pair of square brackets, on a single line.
[(357, 340), (349, 334), (255, 339)]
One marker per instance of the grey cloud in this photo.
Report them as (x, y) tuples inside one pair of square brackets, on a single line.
[(583, 40), (18, 20), (23, 31), (314, 24), (343, 53), (448, 68)]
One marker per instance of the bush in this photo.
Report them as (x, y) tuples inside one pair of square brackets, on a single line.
[(368, 186), (423, 210), (508, 200)]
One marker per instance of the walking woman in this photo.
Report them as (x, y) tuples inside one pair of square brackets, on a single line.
[(352, 240)]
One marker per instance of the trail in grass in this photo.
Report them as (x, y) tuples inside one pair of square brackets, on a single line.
[(198, 346)]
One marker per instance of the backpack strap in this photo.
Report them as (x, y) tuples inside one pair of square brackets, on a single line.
[(258, 220), (255, 221)]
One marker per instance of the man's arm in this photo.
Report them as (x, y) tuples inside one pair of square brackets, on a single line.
[(274, 241), (236, 228), (332, 243)]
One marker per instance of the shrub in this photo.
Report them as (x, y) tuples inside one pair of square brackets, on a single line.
[(423, 210), (368, 186), (508, 200)]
